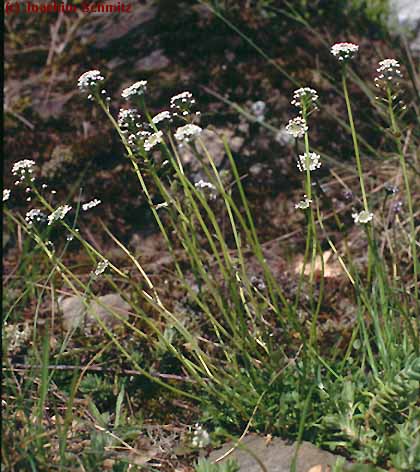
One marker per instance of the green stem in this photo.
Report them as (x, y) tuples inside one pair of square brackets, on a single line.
[(396, 132), (355, 143)]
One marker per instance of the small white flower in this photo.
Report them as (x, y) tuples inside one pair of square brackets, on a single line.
[(388, 73), (6, 194), (182, 103), (136, 90), (89, 81), (187, 132), (297, 127), (91, 204), (305, 97), (101, 267), (161, 205), (184, 97), (163, 115), (208, 188), (152, 140), (23, 169), (136, 140), (34, 216), (128, 118), (258, 108), (58, 214), (201, 437), (313, 159), (303, 204), (344, 51), (363, 217)]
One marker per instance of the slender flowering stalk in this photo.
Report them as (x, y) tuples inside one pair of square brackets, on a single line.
[(389, 76)]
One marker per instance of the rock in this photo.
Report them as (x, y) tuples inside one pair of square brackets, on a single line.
[(276, 455), (153, 62), (407, 13), (109, 27), (73, 310), (214, 145), (54, 106), (111, 309)]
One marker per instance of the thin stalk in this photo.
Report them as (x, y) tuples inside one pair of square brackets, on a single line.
[(396, 133)]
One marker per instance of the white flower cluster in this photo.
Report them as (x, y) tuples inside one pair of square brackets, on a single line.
[(6, 194), (136, 90), (58, 214), (128, 118), (201, 437), (208, 188), (305, 97), (187, 132), (34, 216), (136, 140), (297, 127), (311, 161), (23, 169), (101, 267), (303, 204), (90, 81), (182, 102), (162, 116), (344, 51), (92, 204), (389, 73), (363, 217), (152, 140)]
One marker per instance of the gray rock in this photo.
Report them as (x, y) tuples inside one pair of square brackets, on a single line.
[(109, 27), (276, 455), (406, 19), (111, 309), (153, 62), (73, 310), (408, 12)]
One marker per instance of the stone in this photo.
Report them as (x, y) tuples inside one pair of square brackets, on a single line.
[(111, 309), (407, 13), (73, 310), (153, 62), (276, 455), (107, 28)]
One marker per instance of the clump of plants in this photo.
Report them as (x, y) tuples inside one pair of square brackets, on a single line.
[(249, 350)]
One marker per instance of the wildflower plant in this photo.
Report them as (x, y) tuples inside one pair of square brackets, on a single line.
[(264, 368)]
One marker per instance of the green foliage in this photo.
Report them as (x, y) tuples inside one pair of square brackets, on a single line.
[(203, 465)]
